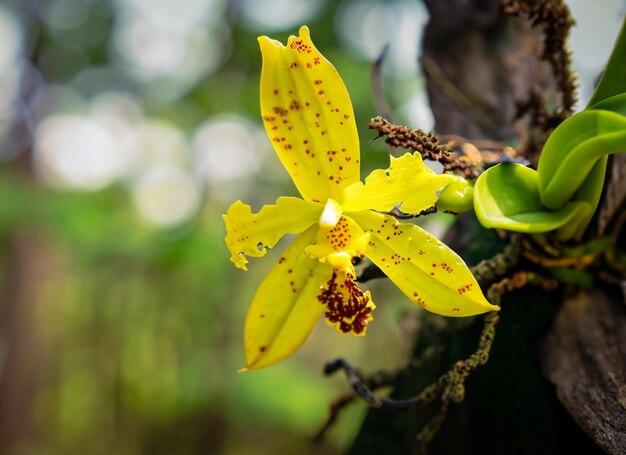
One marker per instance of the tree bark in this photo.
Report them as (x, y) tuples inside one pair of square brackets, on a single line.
[(584, 356), (30, 264), (479, 66)]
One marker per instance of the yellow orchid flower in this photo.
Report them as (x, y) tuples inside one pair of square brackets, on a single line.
[(308, 116)]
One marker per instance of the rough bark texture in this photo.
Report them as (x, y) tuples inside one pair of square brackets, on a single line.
[(30, 264), (584, 356), (509, 405), (614, 196), (479, 67)]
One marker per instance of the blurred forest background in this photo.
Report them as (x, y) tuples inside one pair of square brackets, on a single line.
[(127, 127)]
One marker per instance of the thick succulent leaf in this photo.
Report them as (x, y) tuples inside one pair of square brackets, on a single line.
[(610, 95), (573, 149), (427, 271), (507, 197), (613, 80), (408, 181), (615, 103), (569, 134), (573, 162), (591, 189), (285, 307), (590, 192), (251, 234), (308, 116)]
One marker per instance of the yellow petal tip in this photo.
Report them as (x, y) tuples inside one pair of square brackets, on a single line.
[(240, 261), (304, 32), (482, 306), (243, 370), (267, 44), (489, 307)]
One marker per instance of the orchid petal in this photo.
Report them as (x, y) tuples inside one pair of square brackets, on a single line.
[(426, 271), (346, 236), (308, 116), (251, 234), (408, 181), (285, 307), (348, 309)]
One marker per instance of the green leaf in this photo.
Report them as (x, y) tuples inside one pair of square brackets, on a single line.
[(507, 197), (613, 81), (593, 247), (615, 103), (566, 189), (590, 192), (573, 149), (572, 276)]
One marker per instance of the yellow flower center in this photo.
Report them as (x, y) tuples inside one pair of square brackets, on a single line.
[(338, 240), (331, 214), (345, 235)]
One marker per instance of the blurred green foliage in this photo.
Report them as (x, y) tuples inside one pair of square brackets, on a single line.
[(136, 330)]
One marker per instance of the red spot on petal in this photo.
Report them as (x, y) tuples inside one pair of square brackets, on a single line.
[(346, 305)]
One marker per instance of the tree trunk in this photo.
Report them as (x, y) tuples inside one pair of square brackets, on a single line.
[(30, 264), (480, 66)]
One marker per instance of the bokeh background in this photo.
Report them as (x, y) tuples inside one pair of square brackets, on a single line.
[(127, 127)]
